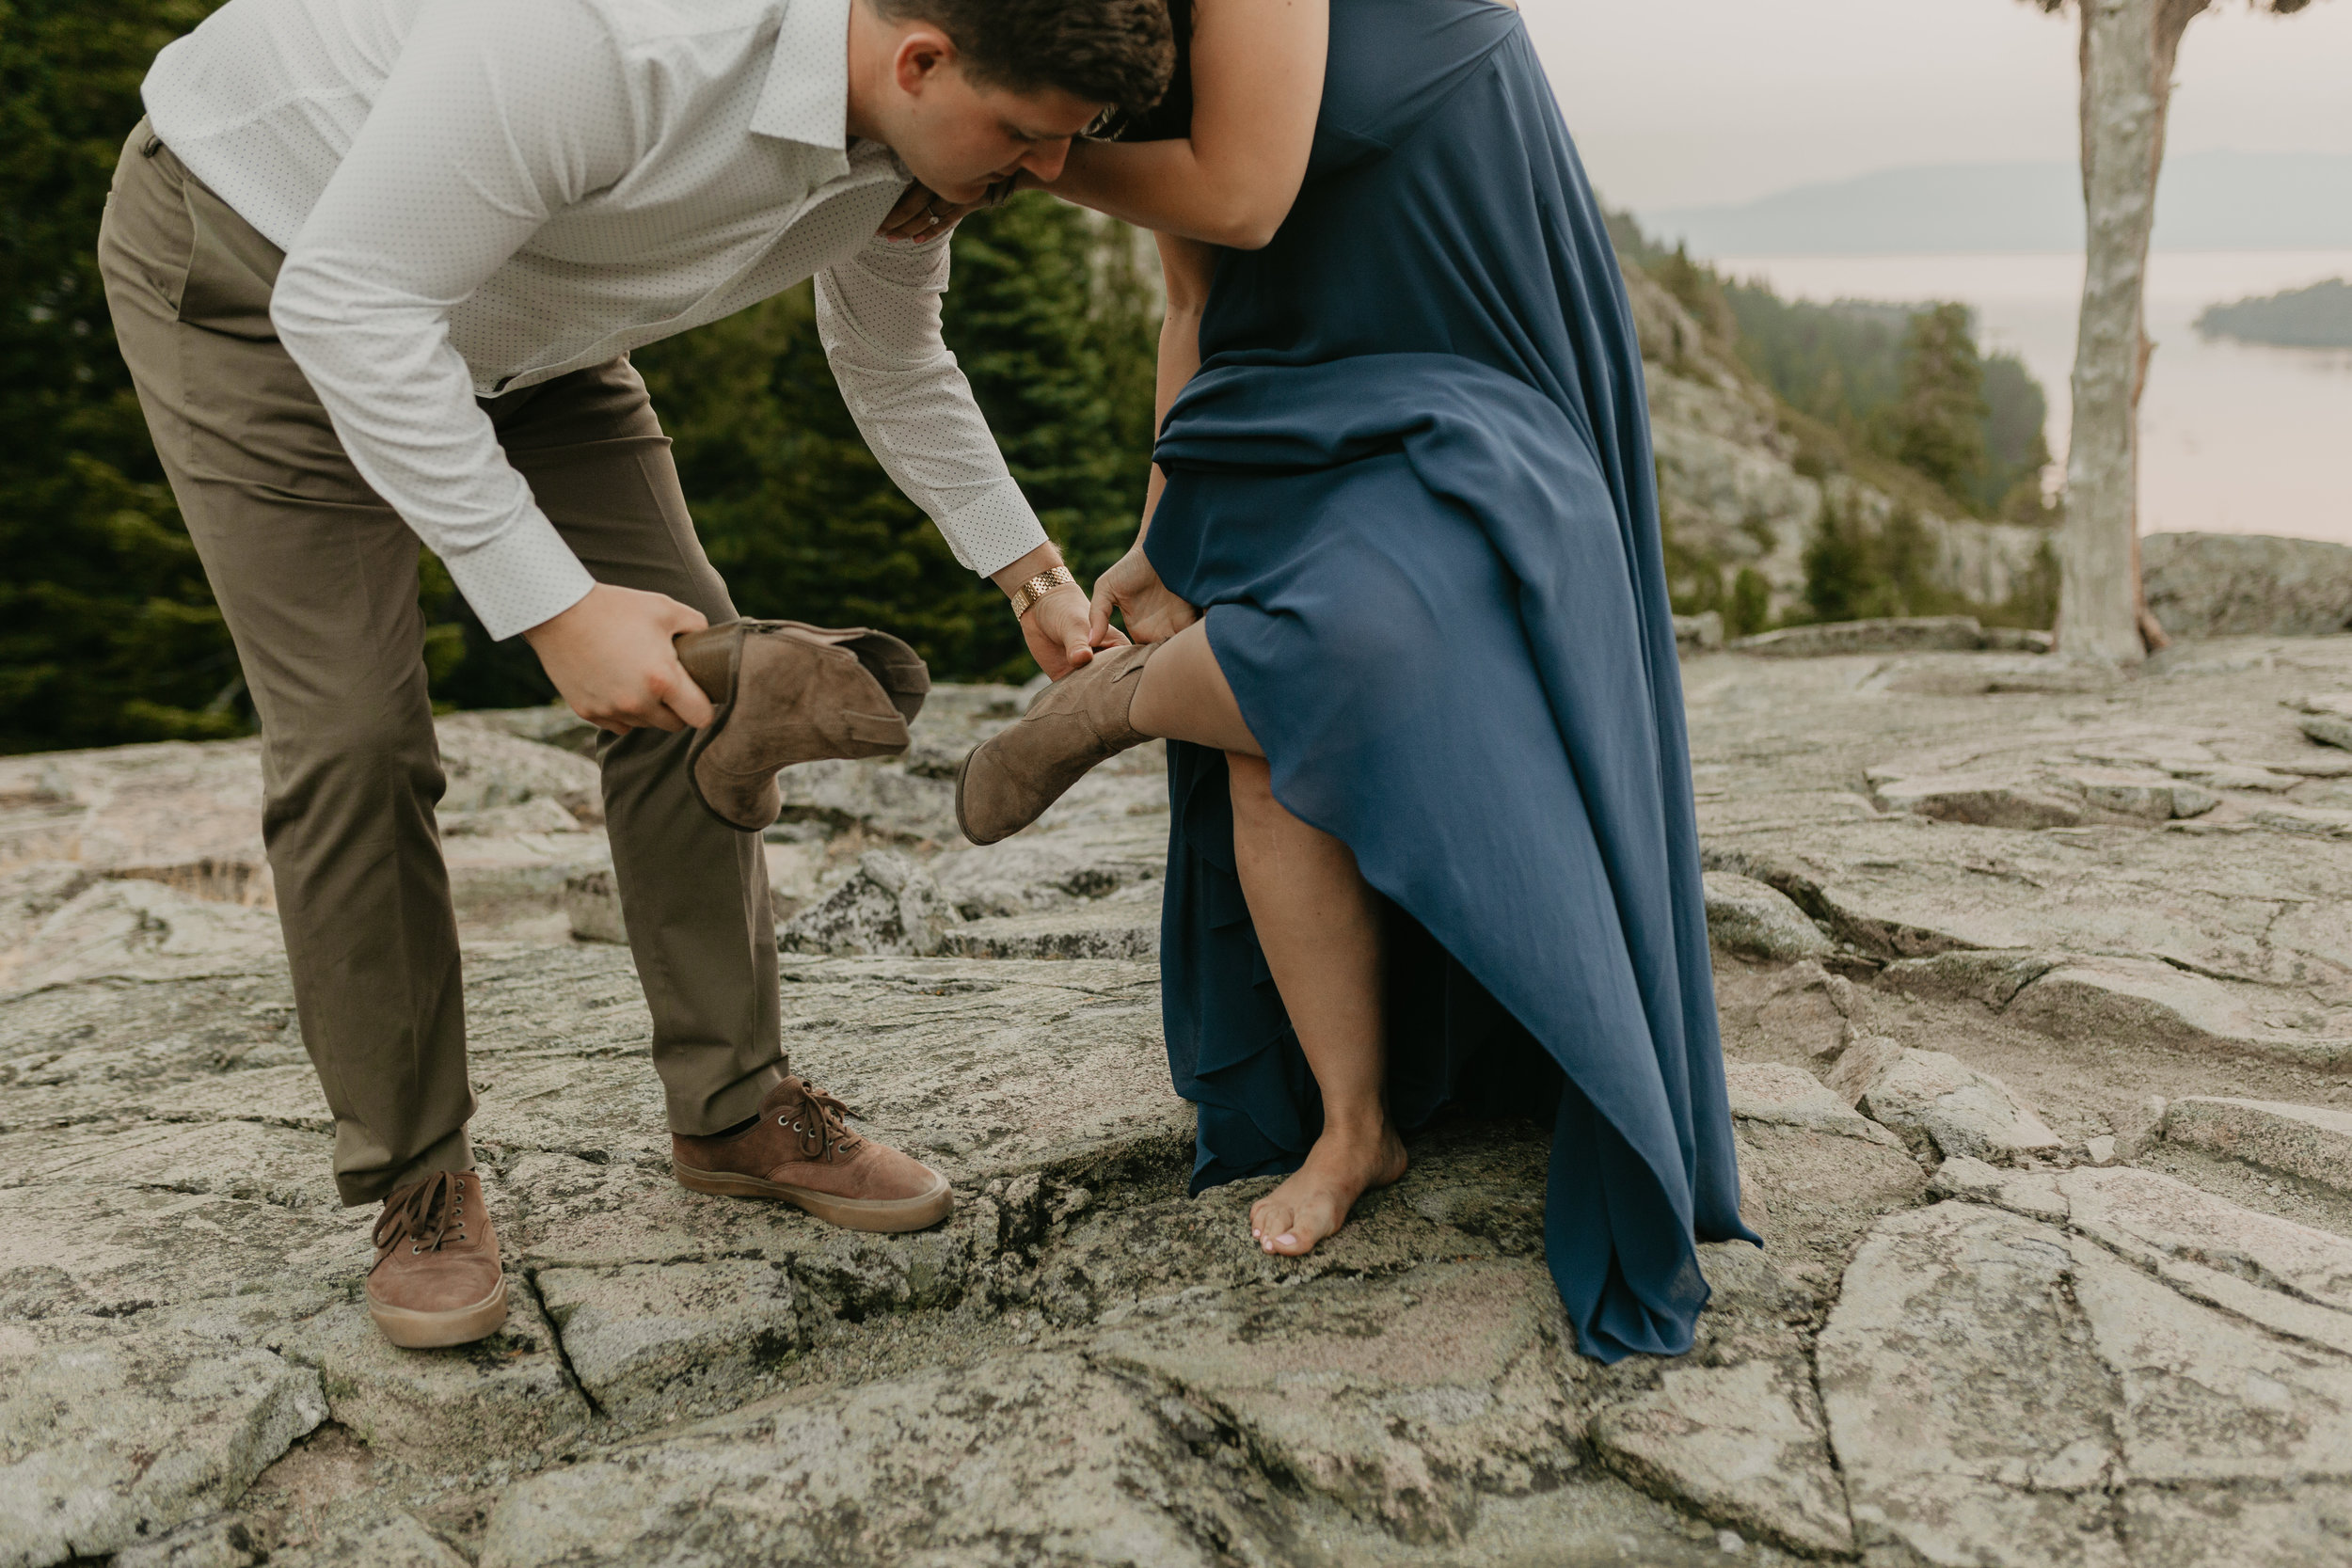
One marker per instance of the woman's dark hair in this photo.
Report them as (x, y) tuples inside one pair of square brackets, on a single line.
[(1115, 52)]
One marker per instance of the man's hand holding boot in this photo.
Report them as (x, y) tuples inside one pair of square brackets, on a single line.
[(612, 657)]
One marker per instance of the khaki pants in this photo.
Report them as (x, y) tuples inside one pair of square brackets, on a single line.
[(317, 578)]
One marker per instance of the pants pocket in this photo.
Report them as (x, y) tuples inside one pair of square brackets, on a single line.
[(232, 269), (143, 236)]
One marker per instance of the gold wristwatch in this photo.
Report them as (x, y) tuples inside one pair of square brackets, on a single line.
[(1039, 586)]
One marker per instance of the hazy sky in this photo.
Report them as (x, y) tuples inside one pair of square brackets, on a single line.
[(1682, 101)]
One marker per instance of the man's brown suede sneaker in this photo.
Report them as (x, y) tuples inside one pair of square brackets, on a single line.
[(785, 693), (1073, 724), (799, 1151), (437, 1279)]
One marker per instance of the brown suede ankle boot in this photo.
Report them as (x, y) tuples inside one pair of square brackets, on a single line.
[(437, 1279), (1073, 725), (785, 692), (799, 1151)]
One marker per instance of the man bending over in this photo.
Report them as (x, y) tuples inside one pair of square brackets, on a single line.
[(376, 267)]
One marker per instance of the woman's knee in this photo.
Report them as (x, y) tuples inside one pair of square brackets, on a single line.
[(1252, 781)]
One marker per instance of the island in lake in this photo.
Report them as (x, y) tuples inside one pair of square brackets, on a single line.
[(2319, 316)]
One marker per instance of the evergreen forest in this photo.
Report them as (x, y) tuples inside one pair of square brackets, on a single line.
[(1904, 383), (1899, 397), (109, 633), (1909, 383)]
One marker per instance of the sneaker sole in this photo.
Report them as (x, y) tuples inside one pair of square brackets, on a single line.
[(885, 1214), (413, 1330)]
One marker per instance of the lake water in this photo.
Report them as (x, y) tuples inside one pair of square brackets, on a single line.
[(2234, 437)]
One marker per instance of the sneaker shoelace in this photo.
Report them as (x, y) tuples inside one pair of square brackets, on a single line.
[(424, 1217), (817, 1120)]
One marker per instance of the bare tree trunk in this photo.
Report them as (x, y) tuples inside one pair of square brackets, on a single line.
[(2128, 48)]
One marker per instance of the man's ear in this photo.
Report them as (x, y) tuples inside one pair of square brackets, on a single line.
[(922, 53)]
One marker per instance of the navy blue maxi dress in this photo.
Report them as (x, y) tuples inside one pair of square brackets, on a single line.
[(1412, 487)]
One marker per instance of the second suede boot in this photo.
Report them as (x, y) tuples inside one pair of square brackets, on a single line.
[(785, 692)]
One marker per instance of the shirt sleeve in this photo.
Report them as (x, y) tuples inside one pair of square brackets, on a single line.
[(494, 117), (878, 315)]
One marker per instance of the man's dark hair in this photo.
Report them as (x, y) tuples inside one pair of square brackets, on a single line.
[(1116, 52)]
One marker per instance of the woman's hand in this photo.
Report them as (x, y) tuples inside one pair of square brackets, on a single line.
[(1059, 635), (1135, 590), (1056, 624)]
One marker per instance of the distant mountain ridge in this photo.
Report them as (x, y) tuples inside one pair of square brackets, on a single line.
[(2208, 201)]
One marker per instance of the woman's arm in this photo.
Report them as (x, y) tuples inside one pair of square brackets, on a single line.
[(1186, 268), (1130, 586), (1257, 83)]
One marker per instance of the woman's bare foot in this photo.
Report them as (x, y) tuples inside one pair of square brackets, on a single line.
[(1315, 1201)]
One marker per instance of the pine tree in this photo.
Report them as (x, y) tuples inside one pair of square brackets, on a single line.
[(1057, 330), (1937, 425), (2016, 447), (1844, 576)]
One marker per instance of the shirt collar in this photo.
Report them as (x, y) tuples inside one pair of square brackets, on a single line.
[(807, 96)]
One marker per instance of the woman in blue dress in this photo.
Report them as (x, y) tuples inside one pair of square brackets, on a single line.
[(1400, 610)]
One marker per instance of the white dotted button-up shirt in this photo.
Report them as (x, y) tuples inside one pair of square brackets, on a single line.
[(480, 195)]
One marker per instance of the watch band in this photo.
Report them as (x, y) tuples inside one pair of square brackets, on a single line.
[(1039, 586)]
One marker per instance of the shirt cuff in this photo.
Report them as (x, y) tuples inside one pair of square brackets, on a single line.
[(993, 530), (523, 576)]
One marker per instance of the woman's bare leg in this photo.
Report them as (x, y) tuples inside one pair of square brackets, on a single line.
[(1183, 696), (1319, 925)]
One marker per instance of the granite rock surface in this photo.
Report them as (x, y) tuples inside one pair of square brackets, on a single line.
[(2035, 996), (2234, 584)]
